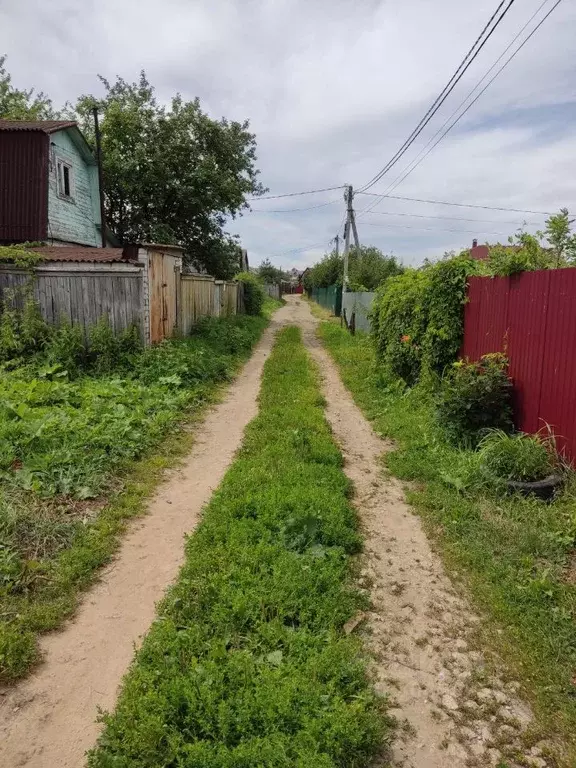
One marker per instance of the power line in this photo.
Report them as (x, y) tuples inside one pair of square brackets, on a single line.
[(474, 51), (432, 229), (298, 250), (293, 210), (415, 163), (293, 194), (448, 218), (459, 205)]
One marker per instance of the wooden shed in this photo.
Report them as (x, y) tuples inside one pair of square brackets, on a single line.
[(135, 285)]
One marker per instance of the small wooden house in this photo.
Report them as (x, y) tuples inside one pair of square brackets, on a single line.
[(49, 188)]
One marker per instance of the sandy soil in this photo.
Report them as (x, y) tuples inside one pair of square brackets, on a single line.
[(452, 711), (49, 721)]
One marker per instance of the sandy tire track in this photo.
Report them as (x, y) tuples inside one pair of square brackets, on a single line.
[(452, 710), (49, 720)]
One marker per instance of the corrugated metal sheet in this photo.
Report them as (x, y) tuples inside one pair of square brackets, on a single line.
[(84, 254), (531, 317), (486, 316), (23, 186), (527, 312), (330, 298), (46, 126), (557, 406)]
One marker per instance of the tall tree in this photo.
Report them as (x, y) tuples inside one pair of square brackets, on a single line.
[(22, 105), (172, 174), (268, 273), (559, 234)]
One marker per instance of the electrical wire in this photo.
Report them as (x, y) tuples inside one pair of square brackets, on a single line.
[(298, 250), (415, 163), (293, 210), (293, 194), (458, 205), (448, 218), (474, 51), (432, 229)]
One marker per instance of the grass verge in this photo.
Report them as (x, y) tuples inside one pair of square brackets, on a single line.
[(247, 664), (92, 432), (516, 556)]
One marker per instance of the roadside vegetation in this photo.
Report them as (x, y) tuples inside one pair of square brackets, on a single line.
[(515, 554), (368, 268), (83, 440), (248, 662)]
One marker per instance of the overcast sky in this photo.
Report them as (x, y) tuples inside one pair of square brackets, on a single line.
[(332, 88)]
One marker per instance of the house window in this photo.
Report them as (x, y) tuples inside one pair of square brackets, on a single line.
[(65, 179)]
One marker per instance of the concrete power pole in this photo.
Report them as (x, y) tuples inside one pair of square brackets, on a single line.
[(348, 197), (337, 247)]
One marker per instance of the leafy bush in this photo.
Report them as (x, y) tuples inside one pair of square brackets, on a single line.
[(67, 348), (516, 457), (110, 351), (253, 293), (399, 319), (475, 397), (368, 268), (248, 664), (418, 318)]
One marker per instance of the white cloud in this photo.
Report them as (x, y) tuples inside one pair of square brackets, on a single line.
[(332, 88)]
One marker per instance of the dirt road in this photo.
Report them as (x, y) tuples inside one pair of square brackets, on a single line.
[(451, 712), (49, 721)]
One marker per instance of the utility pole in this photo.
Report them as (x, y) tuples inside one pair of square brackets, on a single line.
[(100, 183), (337, 241), (355, 232), (348, 197)]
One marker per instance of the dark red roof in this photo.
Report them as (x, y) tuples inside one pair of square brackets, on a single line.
[(82, 253), (46, 126)]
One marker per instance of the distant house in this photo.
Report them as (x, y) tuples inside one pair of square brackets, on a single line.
[(48, 184), (482, 252)]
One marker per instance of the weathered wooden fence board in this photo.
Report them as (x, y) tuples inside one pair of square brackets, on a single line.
[(80, 297), (196, 300)]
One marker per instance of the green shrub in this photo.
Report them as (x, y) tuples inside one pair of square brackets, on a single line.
[(35, 333), (110, 351), (399, 320), (418, 318), (253, 293), (516, 457), (67, 348), (475, 397)]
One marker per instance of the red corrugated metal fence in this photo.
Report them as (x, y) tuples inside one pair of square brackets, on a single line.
[(532, 318)]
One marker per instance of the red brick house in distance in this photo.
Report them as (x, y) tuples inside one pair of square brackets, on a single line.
[(479, 252)]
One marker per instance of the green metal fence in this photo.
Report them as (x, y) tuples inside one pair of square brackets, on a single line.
[(330, 298)]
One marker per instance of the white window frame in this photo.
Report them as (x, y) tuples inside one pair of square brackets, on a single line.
[(60, 165)]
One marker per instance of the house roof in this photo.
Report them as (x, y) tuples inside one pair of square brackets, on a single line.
[(45, 126), (49, 127), (81, 253)]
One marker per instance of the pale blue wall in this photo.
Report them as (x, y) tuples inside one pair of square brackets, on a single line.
[(75, 220)]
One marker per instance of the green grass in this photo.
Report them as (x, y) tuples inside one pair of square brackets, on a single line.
[(64, 442), (516, 556), (247, 663)]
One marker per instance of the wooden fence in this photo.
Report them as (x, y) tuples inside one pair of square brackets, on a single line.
[(196, 300), (273, 290), (82, 297), (531, 317), (84, 293)]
